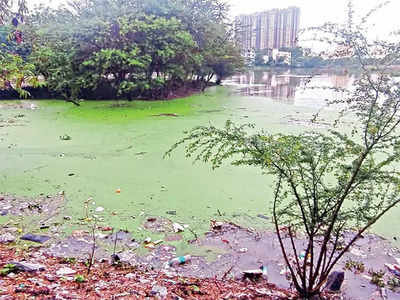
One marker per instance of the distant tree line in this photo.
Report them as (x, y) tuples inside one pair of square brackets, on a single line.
[(303, 58), (147, 49)]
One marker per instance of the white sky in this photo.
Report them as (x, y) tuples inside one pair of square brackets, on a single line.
[(313, 12)]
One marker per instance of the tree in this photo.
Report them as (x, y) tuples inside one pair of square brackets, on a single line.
[(260, 58), (15, 74), (327, 184), (135, 49)]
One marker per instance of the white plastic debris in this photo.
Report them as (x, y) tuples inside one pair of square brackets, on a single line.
[(65, 271), (178, 227)]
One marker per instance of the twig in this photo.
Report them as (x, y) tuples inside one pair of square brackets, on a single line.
[(194, 233), (91, 255), (115, 241), (226, 273), (74, 102), (216, 283)]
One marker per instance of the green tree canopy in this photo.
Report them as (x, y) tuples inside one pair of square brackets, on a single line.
[(133, 49)]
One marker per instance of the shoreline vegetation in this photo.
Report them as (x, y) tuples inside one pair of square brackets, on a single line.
[(48, 261), (118, 50)]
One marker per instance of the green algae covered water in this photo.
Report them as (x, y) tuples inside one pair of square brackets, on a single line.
[(119, 146)]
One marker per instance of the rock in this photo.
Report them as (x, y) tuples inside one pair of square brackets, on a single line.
[(173, 237), (27, 267), (215, 225), (50, 277), (160, 224), (262, 217), (99, 209), (335, 281), (67, 218), (6, 238), (65, 271), (159, 291), (133, 245), (35, 238), (125, 257), (253, 274), (130, 276)]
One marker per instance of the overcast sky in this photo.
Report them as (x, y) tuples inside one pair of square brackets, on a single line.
[(313, 12)]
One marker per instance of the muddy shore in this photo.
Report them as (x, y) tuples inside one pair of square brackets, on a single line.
[(224, 252)]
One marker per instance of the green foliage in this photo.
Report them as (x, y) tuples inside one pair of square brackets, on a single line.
[(393, 283), (356, 266), (133, 49), (79, 278), (7, 269), (15, 73), (69, 260), (377, 278)]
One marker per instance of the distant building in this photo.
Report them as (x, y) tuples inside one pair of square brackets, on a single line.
[(273, 29)]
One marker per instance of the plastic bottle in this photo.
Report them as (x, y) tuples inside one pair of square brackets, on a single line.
[(179, 260), (264, 272)]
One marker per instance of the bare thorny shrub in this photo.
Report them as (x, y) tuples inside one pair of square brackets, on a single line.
[(327, 183)]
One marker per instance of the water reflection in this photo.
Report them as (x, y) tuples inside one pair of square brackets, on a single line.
[(289, 86)]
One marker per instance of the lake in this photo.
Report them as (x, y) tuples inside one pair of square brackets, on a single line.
[(120, 145)]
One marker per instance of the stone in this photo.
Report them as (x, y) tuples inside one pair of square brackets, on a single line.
[(130, 276), (159, 291), (253, 275), (65, 271), (50, 277), (335, 281), (173, 237), (6, 238), (35, 238), (27, 267), (262, 217)]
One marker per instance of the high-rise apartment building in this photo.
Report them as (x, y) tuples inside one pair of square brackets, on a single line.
[(273, 29)]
